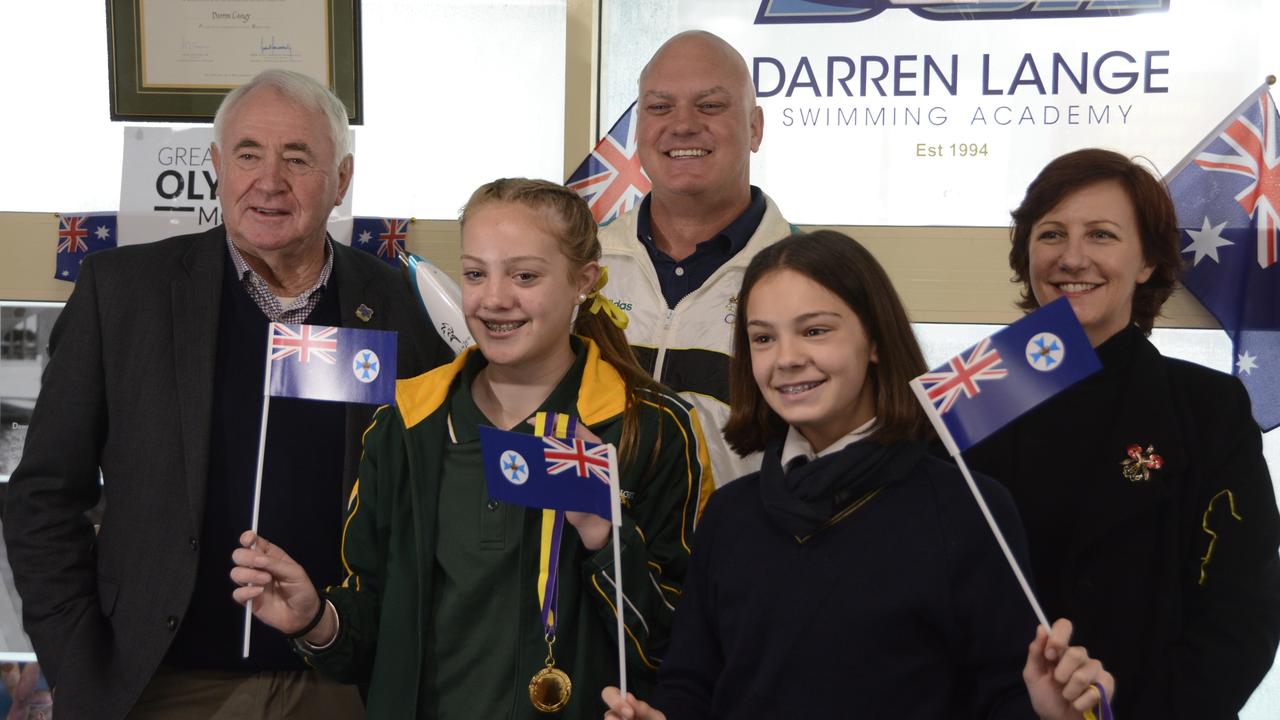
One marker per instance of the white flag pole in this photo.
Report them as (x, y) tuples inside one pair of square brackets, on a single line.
[(615, 500), (923, 396), (257, 481)]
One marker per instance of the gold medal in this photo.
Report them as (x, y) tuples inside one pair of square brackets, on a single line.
[(549, 689)]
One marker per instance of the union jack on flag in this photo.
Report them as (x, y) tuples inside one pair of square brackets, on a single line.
[(383, 238), (304, 341), (584, 460), (1250, 150), (1227, 194), (1034, 358), (944, 387), (80, 234), (71, 235), (610, 178)]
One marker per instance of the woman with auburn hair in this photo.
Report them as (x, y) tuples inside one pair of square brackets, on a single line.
[(1149, 511), (440, 613), (853, 574)]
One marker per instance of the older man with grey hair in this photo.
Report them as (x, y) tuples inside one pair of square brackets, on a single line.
[(155, 381)]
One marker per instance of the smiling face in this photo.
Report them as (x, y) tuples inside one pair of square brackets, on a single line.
[(809, 356), (518, 288), (698, 122), (1089, 248), (278, 178)]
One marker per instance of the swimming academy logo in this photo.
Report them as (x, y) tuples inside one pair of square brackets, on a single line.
[(846, 11)]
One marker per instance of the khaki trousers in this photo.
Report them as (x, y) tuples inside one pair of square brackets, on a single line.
[(178, 694)]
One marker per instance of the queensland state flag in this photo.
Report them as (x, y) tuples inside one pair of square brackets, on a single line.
[(1227, 193), (315, 362), (78, 235), (550, 473), (381, 237), (610, 178), (987, 386)]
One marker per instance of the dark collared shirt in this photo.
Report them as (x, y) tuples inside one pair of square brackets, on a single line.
[(269, 304), (681, 277)]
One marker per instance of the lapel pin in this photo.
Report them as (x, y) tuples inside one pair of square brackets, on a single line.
[(1139, 464), (364, 312)]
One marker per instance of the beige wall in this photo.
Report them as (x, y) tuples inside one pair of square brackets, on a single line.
[(27, 253), (944, 274)]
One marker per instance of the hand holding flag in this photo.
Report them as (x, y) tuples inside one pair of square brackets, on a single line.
[(994, 382), (315, 362)]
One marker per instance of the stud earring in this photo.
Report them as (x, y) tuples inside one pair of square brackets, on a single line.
[(582, 297)]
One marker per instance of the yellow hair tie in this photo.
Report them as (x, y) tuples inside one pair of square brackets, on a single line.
[(600, 302)]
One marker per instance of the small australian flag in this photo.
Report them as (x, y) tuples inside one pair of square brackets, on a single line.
[(383, 238), (78, 235)]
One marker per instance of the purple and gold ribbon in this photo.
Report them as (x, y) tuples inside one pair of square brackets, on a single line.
[(561, 426), (1103, 709)]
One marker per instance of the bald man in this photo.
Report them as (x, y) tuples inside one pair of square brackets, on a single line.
[(676, 261)]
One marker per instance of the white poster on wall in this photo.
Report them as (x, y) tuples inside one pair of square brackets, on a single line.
[(903, 112), (169, 186)]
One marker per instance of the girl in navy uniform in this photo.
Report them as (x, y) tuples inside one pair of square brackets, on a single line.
[(854, 574)]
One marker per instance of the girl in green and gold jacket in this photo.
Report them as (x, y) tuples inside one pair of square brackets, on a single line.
[(439, 612)]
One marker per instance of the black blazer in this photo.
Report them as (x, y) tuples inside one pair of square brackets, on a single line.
[(1122, 559), (129, 389)]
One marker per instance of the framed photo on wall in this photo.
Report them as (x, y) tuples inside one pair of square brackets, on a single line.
[(24, 351), (174, 60)]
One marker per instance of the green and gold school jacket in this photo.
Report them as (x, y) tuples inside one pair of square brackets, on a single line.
[(389, 547)]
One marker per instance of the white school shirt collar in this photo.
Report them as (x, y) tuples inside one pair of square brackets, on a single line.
[(797, 446)]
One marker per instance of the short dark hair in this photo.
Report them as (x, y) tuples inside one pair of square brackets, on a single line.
[(838, 263), (1157, 222)]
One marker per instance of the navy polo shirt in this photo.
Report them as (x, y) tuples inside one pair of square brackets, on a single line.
[(679, 278)]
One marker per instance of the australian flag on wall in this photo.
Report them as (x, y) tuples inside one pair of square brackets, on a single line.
[(381, 237), (1227, 194), (610, 178), (78, 235)]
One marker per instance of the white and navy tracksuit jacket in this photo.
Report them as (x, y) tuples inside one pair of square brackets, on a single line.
[(687, 348)]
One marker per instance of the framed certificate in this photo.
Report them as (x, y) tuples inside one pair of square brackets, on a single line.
[(174, 60)]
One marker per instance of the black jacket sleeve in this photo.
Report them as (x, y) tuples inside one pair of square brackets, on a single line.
[(1232, 603)]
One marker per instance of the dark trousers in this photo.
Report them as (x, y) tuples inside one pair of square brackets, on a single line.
[(176, 694)]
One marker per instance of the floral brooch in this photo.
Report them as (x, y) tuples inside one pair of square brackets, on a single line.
[(1140, 463)]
